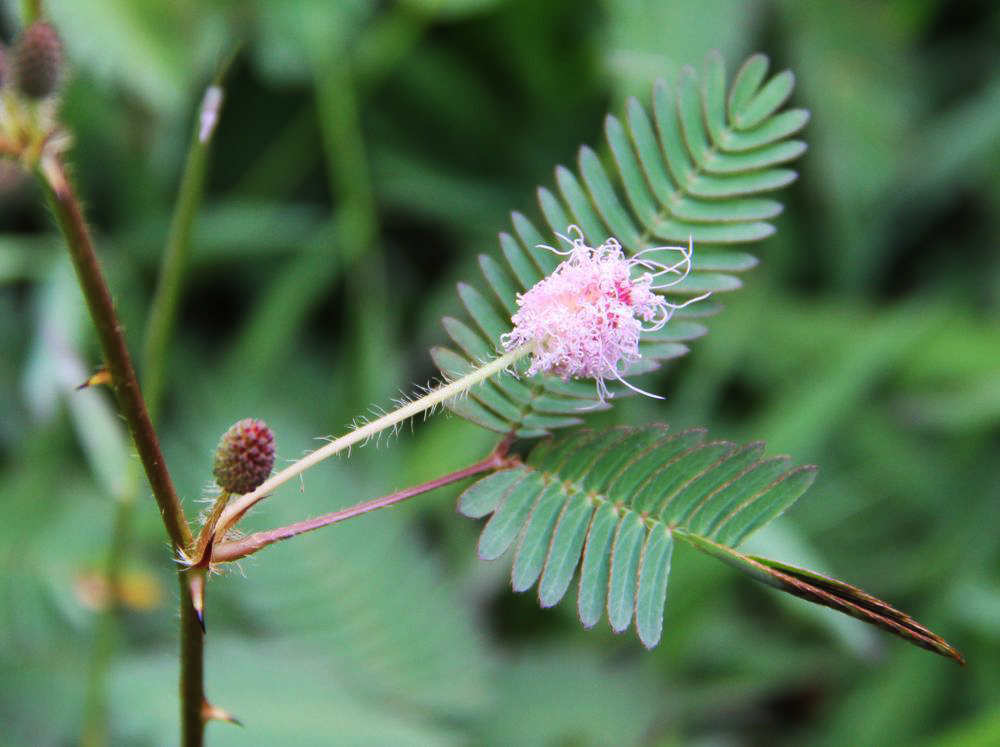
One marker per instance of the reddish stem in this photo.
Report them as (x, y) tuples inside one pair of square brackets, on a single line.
[(236, 549), (66, 207), (110, 332)]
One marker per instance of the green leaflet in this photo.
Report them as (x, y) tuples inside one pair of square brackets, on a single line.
[(614, 497), (696, 169), (654, 570), (612, 501)]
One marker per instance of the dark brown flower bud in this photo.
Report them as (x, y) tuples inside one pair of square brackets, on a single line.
[(38, 61), (244, 457)]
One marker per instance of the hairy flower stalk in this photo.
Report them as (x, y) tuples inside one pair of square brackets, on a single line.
[(583, 321), (239, 506)]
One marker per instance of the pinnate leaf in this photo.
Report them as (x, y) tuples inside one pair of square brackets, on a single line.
[(613, 501), (694, 170)]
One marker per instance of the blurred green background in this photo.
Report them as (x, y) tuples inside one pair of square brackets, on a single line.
[(367, 152)]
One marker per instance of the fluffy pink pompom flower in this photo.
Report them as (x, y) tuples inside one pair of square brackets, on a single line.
[(585, 319)]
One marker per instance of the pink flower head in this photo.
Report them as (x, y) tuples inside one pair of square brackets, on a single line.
[(585, 319)]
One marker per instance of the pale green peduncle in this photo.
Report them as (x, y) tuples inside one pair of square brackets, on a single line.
[(239, 506)]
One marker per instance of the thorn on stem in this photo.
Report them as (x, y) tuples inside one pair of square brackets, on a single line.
[(210, 712), (196, 587), (101, 377)]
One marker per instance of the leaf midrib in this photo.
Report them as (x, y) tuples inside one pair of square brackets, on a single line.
[(681, 191)]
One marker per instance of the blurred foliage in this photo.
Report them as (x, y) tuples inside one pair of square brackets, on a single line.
[(368, 151)]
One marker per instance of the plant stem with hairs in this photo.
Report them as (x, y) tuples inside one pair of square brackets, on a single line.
[(238, 507), (66, 207), (241, 548), (162, 313)]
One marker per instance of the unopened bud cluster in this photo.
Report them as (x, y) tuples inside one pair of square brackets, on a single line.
[(31, 72), (37, 62), (244, 457)]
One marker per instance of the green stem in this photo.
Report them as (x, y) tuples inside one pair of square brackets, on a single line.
[(239, 506), (95, 719), (269, 334), (241, 548), (163, 310), (355, 215), (192, 690), (31, 11), (162, 314)]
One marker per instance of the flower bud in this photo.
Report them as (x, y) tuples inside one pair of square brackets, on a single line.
[(38, 61), (244, 457)]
